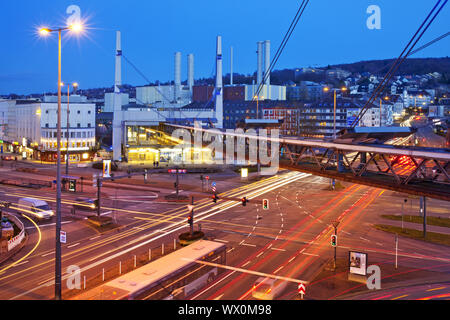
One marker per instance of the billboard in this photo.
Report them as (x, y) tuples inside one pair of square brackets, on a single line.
[(358, 263), (106, 168)]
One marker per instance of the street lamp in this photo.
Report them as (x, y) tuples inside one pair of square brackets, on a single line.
[(326, 89), (45, 32), (257, 105), (74, 85)]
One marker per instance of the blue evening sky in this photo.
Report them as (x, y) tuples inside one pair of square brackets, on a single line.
[(330, 32)]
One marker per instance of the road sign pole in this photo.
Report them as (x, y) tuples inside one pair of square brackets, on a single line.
[(98, 196), (396, 250), (335, 233), (177, 183)]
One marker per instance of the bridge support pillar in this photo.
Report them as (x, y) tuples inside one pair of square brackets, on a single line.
[(423, 213), (340, 163), (363, 157)]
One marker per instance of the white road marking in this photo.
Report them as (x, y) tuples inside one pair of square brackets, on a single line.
[(220, 240), (246, 264), (311, 254), (73, 245), (95, 237), (248, 244), (278, 249), (47, 254), (260, 254), (278, 269), (21, 263)]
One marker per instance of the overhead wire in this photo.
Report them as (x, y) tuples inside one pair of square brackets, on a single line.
[(411, 44)]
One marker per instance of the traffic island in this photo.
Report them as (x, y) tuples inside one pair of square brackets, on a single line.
[(186, 238), (175, 198), (100, 221)]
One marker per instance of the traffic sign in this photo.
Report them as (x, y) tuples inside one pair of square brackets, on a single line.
[(62, 237), (301, 289), (213, 189), (213, 184)]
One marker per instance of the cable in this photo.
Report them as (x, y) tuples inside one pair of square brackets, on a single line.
[(286, 38), (399, 60)]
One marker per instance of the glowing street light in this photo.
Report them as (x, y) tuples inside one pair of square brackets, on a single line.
[(44, 31)]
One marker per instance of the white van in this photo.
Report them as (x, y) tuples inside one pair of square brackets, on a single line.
[(35, 208)]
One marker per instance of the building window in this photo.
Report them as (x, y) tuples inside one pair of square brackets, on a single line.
[(78, 125), (89, 125), (78, 111)]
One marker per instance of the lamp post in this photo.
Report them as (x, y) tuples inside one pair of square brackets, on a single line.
[(74, 85), (326, 89), (45, 32), (257, 105)]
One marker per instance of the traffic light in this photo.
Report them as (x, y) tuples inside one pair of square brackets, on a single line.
[(244, 201), (334, 240), (129, 173), (215, 197), (174, 184), (96, 203), (145, 175), (266, 204)]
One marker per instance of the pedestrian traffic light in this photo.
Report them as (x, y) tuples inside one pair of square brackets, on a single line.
[(190, 219), (244, 201), (266, 204), (334, 240)]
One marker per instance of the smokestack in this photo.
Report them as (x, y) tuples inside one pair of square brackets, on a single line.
[(266, 67), (219, 87), (190, 79), (231, 66), (118, 78), (177, 79), (259, 52), (117, 107)]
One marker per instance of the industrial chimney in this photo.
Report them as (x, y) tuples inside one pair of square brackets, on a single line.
[(117, 106), (219, 86), (267, 67), (259, 52), (190, 79), (177, 78)]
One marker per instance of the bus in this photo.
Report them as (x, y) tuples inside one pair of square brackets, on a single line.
[(172, 277), (268, 288)]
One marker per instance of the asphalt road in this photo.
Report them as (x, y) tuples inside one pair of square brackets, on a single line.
[(291, 239)]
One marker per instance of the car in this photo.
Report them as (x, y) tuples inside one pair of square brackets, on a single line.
[(8, 158), (87, 204)]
